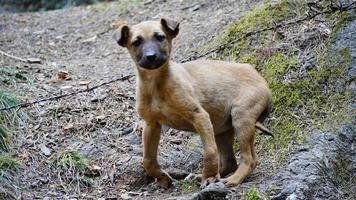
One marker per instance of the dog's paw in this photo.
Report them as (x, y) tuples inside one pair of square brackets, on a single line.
[(165, 180), (205, 182), (230, 181)]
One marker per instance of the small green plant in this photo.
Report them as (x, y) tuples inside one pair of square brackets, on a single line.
[(252, 194), (72, 161), (190, 186), (8, 166), (3, 138), (72, 167), (8, 118)]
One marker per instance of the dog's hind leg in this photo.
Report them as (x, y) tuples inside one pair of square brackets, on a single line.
[(227, 158), (244, 115)]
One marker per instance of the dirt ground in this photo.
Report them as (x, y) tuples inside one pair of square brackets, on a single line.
[(101, 125)]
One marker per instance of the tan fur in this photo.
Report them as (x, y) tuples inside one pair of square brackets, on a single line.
[(212, 98)]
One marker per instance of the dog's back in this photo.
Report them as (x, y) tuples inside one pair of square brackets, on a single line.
[(217, 84)]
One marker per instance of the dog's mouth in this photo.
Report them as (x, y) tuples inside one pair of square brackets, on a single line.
[(151, 64)]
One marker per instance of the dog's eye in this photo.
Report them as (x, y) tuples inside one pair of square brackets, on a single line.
[(160, 38), (137, 42)]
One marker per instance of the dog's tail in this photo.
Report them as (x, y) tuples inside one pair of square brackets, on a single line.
[(264, 130)]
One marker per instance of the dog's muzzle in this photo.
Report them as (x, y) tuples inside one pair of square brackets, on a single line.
[(152, 60)]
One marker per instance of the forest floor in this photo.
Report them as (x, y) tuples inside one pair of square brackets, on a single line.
[(88, 146)]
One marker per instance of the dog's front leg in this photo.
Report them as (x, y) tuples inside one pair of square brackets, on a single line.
[(205, 129), (151, 137)]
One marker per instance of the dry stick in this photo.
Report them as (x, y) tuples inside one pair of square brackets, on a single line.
[(27, 104), (13, 57), (190, 58)]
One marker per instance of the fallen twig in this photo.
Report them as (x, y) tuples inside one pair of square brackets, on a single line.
[(13, 57), (27, 60), (27, 104)]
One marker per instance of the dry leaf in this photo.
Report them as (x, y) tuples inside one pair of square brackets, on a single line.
[(63, 75), (34, 60), (121, 190), (100, 117), (85, 82), (68, 127), (45, 150), (40, 77), (91, 39), (93, 170), (66, 87), (24, 158)]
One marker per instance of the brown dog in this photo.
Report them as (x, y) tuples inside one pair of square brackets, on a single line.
[(213, 98)]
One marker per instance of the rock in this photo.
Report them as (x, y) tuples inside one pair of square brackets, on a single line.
[(2, 28), (134, 139), (137, 150), (34, 60), (127, 131), (313, 172), (178, 174), (125, 196), (45, 150), (346, 38), (98, 98), (214, 191)]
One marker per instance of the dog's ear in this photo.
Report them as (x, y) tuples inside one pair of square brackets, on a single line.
[(170, 26), (121, 35)]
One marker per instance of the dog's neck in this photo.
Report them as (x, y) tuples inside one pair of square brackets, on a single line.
[(150, 80), (151, 75)]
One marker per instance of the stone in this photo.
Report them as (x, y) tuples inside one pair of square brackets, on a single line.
[(214, 191)]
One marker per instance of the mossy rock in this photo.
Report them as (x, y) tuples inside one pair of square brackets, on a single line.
[(303, 98)]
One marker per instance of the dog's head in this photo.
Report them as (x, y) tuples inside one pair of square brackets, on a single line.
[(149, 42)]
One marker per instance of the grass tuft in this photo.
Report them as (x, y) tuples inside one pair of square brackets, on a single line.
[(72, 167), (8, 166), (8, 118), (189, 187), (252, 194)]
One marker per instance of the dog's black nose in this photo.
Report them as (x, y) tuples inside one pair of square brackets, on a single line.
[(151, 56)]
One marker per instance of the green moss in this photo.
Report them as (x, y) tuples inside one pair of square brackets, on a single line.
[(339, 20), (258, 18), (345, 54), (249, 58)]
